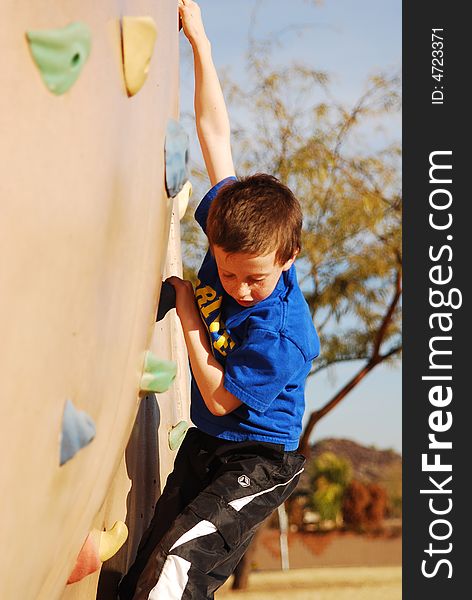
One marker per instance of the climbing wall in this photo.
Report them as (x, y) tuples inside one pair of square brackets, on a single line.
[(88, 103)]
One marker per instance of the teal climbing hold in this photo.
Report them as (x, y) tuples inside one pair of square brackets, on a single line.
[(60, 54), (176, 156), (158, 374), (177, 434), (78, 430)]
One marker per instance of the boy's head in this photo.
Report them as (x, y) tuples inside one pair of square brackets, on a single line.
[(254, 229)]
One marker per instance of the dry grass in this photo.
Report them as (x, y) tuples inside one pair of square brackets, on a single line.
[(351, 583)]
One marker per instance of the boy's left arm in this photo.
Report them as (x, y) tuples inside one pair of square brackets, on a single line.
[(211, 116), (208, 372)]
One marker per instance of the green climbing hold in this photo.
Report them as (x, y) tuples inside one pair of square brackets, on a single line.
[(177, 434), (60, 54), (158, 374)]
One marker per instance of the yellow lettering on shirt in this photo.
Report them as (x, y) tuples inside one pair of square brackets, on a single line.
[(208, 303), (215, 326), (221, 341), (209, 308), (204, 295)]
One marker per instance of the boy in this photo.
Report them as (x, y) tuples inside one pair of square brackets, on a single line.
[(250, 341)]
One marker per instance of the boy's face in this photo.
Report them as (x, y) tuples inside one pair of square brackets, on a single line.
[(249, 278)]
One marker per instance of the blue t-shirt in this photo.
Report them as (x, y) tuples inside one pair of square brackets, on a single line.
[(266, 351)]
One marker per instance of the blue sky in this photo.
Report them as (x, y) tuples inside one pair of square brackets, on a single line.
[(349, 39)]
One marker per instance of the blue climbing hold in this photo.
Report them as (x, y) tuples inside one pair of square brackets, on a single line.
[(176, 156), (78, 430)]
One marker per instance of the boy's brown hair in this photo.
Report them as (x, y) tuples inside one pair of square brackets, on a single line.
[(256, 215)]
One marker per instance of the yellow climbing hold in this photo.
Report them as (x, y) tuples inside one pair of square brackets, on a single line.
[(177, 434), (183, 197), (138, 37), (112, 540)]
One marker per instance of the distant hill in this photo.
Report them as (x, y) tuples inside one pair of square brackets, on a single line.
[(369, 464)]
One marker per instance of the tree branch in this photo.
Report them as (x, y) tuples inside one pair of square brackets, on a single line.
[(391, 353), (320, 413), (388, 317), (340, 395), (322, 367)]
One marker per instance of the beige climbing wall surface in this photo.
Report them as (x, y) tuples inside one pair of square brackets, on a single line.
[(149, 459), (84, 228)]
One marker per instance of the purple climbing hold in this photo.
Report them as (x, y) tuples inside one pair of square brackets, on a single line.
[(166, 300)]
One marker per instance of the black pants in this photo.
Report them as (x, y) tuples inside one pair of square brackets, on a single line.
[(207, 515)]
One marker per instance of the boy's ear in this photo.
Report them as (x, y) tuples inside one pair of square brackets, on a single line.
[(290, 262)]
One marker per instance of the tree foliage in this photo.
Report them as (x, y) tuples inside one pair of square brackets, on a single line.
[(350, 194), (364, 506), (330, 475)]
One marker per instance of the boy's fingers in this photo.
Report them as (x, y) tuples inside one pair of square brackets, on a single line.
[(174, 280), (180, 285)]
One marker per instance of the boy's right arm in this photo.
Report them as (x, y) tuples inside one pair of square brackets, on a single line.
[(211, 116), (207, 371)]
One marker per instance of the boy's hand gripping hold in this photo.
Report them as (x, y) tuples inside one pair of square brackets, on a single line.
[(191, 18)]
